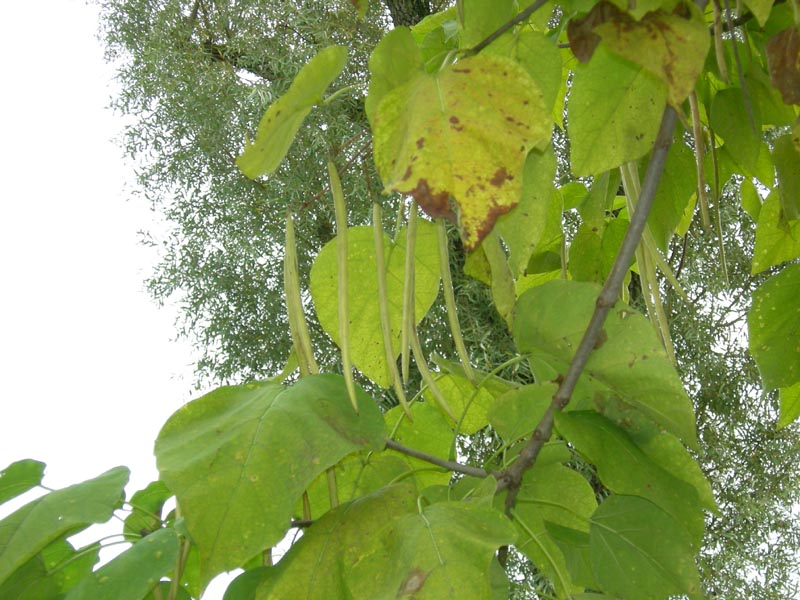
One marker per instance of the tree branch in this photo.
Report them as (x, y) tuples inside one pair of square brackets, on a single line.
[(237, 60), (503, 28), (440, 462), (511, 478)]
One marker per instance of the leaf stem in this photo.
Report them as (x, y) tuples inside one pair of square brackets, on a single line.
[(511, 478), (336, 94), (506, 26), (180, 565), (440, 462), (333, 490)]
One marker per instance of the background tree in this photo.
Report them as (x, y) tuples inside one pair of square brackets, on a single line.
[(198, 75)]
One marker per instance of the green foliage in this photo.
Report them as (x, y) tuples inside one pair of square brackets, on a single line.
[(133, 574), (604, 433), (60, 513), (366, 344), (279, 126), (19, 477), (774, 323), (239, 445), (628, 376)]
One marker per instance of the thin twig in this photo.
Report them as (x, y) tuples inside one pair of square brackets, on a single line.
[(511, 478), (440, 462), (302, 523), (502, 29)]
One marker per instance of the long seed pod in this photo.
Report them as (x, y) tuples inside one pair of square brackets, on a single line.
[(383, 303), (450, 301), (427, 376), (699, 151), (647, 271), (344, 314), (294, 304), (409, 309)]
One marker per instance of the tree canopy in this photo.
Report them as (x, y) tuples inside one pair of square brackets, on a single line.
[(504, 299)]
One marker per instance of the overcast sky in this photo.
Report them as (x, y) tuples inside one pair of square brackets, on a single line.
[(89, 372)]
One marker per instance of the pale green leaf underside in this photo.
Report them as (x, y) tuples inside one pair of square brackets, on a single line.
[(444, 550), (553, 494), (777, 240), (430, 432), (790, 405), (626, 469), (319, 565), (366, 339), (395, 60), (382, 547)]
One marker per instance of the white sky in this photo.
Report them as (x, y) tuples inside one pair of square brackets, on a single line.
[(88, 369)]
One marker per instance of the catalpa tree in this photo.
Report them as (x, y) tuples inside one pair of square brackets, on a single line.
[(586, 464)]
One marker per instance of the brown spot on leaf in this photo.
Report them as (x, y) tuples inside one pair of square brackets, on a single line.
[(407, 174), (783, 56), (500, 177), (455, 123), (457, 70), (420, 143), (436, 204), (580, 32), (413, 583), (493, 211)]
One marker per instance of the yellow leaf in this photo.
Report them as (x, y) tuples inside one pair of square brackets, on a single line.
[(672, 46), (456, 140)]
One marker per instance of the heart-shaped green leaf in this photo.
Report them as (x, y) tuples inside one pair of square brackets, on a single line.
[(629, 366), (614, 112), (625, 469), (557, 495), (318, 566), (639, 551), (239, 458)]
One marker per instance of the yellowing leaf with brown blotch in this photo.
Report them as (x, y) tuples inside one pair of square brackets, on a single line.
[(456, 140), (783, 54), (672, 46)]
